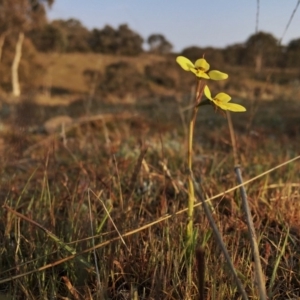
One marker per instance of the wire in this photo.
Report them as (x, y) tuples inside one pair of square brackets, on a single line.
[(257, 16), (289, 22)]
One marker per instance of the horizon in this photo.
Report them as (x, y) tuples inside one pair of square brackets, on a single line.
[(236, 28)]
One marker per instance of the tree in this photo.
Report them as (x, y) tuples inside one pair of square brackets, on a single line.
[(122, 41), (17, 17), (158, 44), (49, 38), (103, 41), (74, 35), (128, 41), (262, 50), (15, 65), (292, 54), (4, 23), (233, 54), (192, 52), (30, 68)]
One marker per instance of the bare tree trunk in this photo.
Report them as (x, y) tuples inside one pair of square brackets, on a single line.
[(2, 40), (15, 66)]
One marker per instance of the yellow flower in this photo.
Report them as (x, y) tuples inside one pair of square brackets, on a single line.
[(200, 68), (222, 100)]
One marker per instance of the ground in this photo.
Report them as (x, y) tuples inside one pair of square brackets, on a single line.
[(95, 208)]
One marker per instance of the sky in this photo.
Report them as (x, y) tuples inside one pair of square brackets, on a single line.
[(184, 23)]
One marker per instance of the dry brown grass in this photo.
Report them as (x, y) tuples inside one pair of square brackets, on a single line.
[(92, 165), (65, 71)]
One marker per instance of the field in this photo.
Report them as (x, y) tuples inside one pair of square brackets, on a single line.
[(96, 208)]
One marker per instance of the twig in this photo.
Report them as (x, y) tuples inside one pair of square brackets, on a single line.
[(252, 235), (200, 259), (219, 239)]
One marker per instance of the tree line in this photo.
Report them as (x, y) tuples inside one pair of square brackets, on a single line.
[(261, 49), (25, 30), (71, 36)]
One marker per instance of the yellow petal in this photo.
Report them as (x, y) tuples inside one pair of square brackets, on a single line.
[(232, 107), (202, 64), (185, 63), (199, 73), (223, 97), (207, 93), (217, 75), (203, 75)]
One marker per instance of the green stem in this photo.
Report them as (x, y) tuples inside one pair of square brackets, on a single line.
[(190, 182), (199, 93), (191, 191)]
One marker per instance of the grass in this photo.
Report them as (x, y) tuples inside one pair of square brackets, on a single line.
[(127, 178), (65, 71)]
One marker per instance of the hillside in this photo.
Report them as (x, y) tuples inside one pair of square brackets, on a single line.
[(78, 73)]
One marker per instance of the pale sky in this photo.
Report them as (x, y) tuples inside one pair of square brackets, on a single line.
[(185, 23)]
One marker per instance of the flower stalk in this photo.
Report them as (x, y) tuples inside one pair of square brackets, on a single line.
[(191, 192), (221, 101)]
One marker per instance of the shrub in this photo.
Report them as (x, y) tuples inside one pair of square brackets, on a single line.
[(161, 73), (123, 78)]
